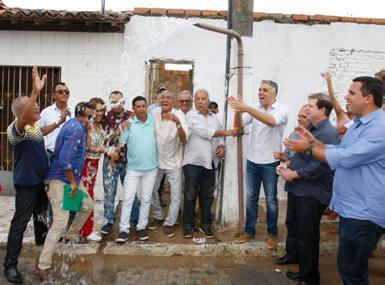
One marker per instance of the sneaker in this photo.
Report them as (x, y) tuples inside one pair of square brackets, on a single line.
[(154, 224), (123, 237), (207, 232), (142, 234), (271, 241), (169, 231), (94, 237), (106, 229), (244, 237), (187, 233)]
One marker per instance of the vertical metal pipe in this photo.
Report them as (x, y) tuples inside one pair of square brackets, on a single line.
[(237, 36)]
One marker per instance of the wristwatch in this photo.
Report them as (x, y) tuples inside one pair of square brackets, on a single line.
[(309, 150), (178, 126), (57, 123)]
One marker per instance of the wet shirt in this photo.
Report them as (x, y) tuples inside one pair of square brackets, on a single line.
[(70, 151), (359, 161), (141, 144), (31, 160), (97, 141), (316, 177), (110, 124)]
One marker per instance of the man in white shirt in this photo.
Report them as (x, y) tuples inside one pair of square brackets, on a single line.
[(268, 121), (53, 117), (201, 155), (171, 134)]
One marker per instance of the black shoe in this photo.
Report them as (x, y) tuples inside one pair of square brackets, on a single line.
[(187, 233), (207, 232), (123, 237), (286, 259), (13, 275), (106, 229), (305, 283), (295, 276), (142, 234)]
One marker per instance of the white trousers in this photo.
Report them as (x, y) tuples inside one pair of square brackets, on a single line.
[(144, 182), (174, 177)]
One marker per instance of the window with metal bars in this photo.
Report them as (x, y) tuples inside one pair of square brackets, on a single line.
[(16, 81)]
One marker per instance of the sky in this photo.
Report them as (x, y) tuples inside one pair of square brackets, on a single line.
[(353, 8)]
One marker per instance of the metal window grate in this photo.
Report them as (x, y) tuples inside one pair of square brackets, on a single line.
[(16, 81)]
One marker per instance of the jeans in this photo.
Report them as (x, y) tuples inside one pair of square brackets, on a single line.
[(174, 177), (60, 220), (110, 185), (307, 216), (358, 239), (255, 175), (144, 181), (29, 200), (199, 182)]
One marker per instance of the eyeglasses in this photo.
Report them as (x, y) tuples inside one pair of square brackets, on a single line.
[(184, 101), (62, 91)]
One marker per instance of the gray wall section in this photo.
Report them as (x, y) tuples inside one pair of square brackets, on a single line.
[(7, 183)]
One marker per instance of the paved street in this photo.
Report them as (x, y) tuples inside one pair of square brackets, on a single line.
[(175, 270)]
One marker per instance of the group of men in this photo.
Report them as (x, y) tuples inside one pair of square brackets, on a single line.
[(186, 145)]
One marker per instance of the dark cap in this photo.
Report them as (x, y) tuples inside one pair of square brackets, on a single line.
[(161, 89), (81, 107)]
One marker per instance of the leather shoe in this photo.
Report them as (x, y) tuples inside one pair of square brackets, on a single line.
[(296, 276), (286, 259), (13, 275), (305, 283)]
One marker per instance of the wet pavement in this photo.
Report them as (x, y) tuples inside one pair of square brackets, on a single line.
[(138, 270)]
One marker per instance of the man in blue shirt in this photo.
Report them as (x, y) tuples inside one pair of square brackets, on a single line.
[(358, 187), (31, 164), (142, 167), (309, 187), (66, 168)]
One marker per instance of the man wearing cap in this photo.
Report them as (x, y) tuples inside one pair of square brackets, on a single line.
[(66, 168), (268, 122)]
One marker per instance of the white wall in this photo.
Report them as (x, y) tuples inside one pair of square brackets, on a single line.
[(293, 55), (89, 61)]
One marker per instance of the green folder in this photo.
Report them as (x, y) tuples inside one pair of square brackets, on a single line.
[(72, 203)]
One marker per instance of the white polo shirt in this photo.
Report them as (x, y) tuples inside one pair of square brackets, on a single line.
[(264, 140), (49, 116), (170, 150)]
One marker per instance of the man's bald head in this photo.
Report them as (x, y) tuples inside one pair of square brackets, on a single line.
[(18, 105)]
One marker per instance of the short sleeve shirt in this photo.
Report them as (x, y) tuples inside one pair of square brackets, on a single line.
[(31, 160)]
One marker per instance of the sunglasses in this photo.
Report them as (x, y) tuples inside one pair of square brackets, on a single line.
[(62, 91), (184, 101)]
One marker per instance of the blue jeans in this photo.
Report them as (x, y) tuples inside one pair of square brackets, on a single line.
[(358, 239), (255, 175), (110, 185)]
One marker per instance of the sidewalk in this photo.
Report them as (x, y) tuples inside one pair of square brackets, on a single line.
[(160, 245)]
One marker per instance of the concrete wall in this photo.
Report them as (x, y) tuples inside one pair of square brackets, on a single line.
[(293, 55), (89, 61)]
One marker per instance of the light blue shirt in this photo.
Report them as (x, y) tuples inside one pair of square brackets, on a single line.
[(141, 144), (359, 160)]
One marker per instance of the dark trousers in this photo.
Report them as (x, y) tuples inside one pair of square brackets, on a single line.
[(29, 200), (305, 214), (291, 238), (358, 239), (199, 182)]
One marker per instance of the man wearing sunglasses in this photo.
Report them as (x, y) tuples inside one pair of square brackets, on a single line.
[(53, 117)]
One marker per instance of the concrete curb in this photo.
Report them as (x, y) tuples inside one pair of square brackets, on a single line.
[(221, 249)]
